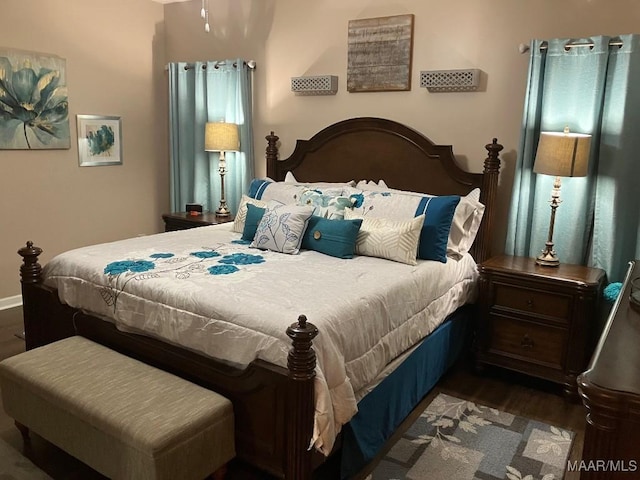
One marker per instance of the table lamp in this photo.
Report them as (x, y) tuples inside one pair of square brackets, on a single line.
[(221, 137), (563, 154)]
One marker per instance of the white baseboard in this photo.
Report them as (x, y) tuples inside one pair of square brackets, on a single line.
[(10, 302)]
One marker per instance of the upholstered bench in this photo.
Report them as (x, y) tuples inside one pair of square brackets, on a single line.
[(122, 417)]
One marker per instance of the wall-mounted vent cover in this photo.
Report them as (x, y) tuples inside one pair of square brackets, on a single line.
[(317, 85), (450, 80)]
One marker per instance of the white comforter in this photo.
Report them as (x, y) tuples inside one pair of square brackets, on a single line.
[(368, 310)]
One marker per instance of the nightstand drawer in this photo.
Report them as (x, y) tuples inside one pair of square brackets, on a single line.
[(533, 302), (529, 341)]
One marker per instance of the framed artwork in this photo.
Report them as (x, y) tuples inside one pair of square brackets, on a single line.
[(34, 105), (99, 140), (379, 54)]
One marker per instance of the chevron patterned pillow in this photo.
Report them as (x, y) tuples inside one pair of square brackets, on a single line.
[(238, 222), (395, 240)]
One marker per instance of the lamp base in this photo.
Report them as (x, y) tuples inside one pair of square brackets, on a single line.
[(222, 211), (548, 259)]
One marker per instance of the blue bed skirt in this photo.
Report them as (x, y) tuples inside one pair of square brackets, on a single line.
[(382, 410)]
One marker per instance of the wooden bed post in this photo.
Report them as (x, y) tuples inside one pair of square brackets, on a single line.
[(271, 153), (30, 270), (301, 363), (488, 194), (30, 275)]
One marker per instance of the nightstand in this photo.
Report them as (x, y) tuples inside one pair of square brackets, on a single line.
[(182, 220), (541, 321)]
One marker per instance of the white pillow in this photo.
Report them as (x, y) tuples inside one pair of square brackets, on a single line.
[(465, 224), (395, 240), (282, 228), (289, 178), (241, 216), (370, 184)]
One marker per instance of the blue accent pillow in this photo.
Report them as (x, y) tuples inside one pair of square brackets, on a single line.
[(332, 236), (252, 220), (256, 188), (437, 223)]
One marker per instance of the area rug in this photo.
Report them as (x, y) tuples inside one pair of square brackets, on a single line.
[(15, 466), (456, 439)]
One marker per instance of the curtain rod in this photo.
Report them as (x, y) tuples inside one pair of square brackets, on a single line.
[(544, 46), (189, 66)]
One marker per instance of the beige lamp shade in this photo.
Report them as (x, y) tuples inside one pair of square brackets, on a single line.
[(221, 137), (563, 154)]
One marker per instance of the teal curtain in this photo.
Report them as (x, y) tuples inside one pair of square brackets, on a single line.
[(594, 90), (204, 92)]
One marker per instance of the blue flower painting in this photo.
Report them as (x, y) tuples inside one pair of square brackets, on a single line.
[(101, 141), (34, 108)]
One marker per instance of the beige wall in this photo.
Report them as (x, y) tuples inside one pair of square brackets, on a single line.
[(61, 206), (114, 53)]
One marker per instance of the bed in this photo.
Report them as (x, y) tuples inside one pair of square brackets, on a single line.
[(286, 384)]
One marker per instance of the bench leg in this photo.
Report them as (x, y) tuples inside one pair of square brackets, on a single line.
[(24, 431)]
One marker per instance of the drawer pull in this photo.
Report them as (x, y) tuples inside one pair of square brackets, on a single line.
[(530, 303), (527, 343)]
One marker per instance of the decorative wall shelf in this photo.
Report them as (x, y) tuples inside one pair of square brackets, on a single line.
[(316, 85), (450, 80)]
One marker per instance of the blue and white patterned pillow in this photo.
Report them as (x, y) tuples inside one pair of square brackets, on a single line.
[(325, 205), (282, 227)]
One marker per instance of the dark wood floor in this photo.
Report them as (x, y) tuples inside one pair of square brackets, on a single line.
[(513, 393)]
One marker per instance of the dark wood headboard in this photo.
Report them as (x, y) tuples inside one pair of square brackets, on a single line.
[(369, 148)]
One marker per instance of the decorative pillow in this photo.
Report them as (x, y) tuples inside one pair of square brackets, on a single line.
[(286, 193), (289, 178), (254, 215), (434, 237), (391, 239), (332, 237), (238, 221), (400, 205), (282, 227), (466, 218), (372, 185), (326, 206), (465, 224)]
